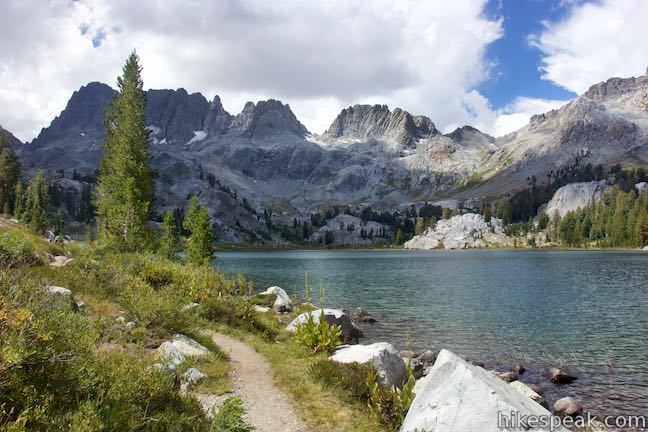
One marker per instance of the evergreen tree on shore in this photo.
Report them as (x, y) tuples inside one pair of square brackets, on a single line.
[(200, 248), (36, 211), (124, 191), (169, 242), (9, 174)]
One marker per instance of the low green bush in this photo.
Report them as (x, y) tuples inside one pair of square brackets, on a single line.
[(16, 250), (390, 406), (52, 378), (348, 379), (318, 337), (230, 417), (238, 312)]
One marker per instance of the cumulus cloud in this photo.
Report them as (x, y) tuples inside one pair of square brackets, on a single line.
[(517, 114), (423, 56), (593, 42)]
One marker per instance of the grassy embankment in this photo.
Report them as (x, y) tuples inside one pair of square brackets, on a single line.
[(86, 370)]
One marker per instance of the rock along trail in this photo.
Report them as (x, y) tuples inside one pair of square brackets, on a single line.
[(268, 408)]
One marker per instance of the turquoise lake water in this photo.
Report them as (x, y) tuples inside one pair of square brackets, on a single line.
[(585, 309)]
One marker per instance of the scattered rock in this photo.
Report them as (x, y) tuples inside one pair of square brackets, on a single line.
[(49, 235), (361, 315), (508, 377), (59, 261), (407, 354), (283, 303), (53, 289), (175, 351), (645, 248), (189, 306), (78, 305), (261, 309), (418, 370), (536, 388), (211, 403), (130, 325), (191, 377), (382, 355), (560, 377), (529, 392), (350, 333), (458, 396), (568, 407), (120, 319), (171, 355), (641, 187), (518, 368), (427, 358)]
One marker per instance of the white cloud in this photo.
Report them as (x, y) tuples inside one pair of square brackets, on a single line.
[(517, 114), (595, 41), (423, 56)]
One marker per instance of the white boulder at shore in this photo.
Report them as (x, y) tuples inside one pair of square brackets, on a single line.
[(457, 396), (469, 230), (382, 355), (350, 333), (574, 196), (283, 303)]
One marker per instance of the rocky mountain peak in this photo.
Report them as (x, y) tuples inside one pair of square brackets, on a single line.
[(378, 122), (615, 87), (84, 111), (468, 135), (267, 118)]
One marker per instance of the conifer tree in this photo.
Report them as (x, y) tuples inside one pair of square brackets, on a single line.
[(18, 200), (399, 236), (419, 228), (200, 248), (124, 191), (169, 242), (36, 212), (9, 173)]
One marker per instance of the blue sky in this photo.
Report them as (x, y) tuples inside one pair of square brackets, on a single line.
[(516, 72)]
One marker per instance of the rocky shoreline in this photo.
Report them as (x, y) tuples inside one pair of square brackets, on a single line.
[(450, 391)]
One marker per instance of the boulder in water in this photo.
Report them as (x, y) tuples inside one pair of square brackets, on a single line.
[(350, 333), (568, 407), (457, 396)]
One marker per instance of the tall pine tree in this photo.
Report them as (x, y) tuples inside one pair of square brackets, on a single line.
[(124, 191), (37, 204), (170, 240), (200, 248), (9, 174)]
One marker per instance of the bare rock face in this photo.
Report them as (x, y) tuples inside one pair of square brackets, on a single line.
[(266, 118), (574, 196), (459, 232), (378, 122)]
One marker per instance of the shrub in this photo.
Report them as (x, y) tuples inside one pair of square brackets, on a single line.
[(16, 250), (230, 417), (350, 379), (238, 312), (318, 337), (51, 377), (390, 406)]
